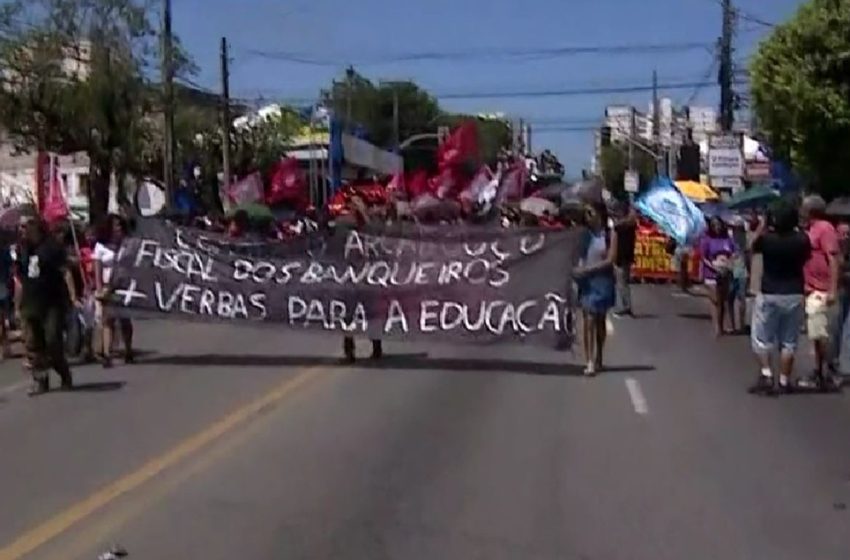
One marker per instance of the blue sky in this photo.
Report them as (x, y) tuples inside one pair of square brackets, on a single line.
[(344, 31)]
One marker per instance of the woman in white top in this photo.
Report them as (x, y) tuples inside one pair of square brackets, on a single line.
[(104, 256)]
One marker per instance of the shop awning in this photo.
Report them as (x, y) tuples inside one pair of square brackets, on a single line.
[(697, 191)]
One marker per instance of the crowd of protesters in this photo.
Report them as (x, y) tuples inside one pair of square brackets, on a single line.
[(53, 282), (51, 274), (801, 286)]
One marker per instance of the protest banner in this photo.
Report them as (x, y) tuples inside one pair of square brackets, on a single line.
[(462, 283), (652, 260)]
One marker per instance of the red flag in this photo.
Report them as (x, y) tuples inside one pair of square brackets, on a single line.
[(477, 185), (418, 184), (461, 147), (396, 186), (512, 186), (54, 206), (42, 179), (247, 190), (288, 184)]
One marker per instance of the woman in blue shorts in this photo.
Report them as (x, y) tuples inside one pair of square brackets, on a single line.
[(596, 285)]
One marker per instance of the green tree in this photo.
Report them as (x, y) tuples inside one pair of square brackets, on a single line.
[(614, 162), (372, 105), (357, 99), (800, 80), (261, 144), (75, 80)]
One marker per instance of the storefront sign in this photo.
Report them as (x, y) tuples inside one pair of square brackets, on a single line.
[(631, 181), (726, 155), (733, 184), (758, 171)]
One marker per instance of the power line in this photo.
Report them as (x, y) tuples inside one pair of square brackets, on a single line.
[(746, 16), (573, 92), (479, 54), (483, 94)]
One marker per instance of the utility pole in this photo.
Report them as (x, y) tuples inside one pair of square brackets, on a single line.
[(656, 121), (633, 138), (396, 132), (168, 102), (225, 113), (727, 96), (349, 75)]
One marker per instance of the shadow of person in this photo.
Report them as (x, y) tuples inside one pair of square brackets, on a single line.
[(399, 362), (97, 387)]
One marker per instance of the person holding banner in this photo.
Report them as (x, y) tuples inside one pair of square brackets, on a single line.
[(104, 258), (361, 215), (596, 285)]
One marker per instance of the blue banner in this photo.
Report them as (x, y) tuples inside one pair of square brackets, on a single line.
[(671, 211)]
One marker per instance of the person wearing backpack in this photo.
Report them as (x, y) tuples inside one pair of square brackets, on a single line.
[(596, 284)]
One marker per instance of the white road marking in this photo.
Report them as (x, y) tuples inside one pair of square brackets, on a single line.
[(9, 389), (636, 395)]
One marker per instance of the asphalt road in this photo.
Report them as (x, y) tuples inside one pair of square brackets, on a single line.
[(226, 443)]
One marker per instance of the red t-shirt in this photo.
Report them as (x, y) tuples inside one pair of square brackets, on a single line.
[(824, 240), (87, 265)]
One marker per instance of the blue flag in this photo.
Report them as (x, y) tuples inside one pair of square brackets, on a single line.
[(671, 211)]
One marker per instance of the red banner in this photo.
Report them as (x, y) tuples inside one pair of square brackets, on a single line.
[(42, 179)]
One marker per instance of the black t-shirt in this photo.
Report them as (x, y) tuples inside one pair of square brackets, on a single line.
[(42, 272), (626, 238), (783, 257)]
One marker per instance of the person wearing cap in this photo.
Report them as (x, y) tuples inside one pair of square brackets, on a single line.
[(821, 274), (46, 295)]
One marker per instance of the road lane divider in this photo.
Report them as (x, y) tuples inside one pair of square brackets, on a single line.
[(637, 397), (63, 521)]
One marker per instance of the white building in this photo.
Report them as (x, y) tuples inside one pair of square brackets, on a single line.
[(17, 169), (702, 122), (17, 177)]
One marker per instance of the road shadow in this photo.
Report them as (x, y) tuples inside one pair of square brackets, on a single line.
[(97, 387), (644, 316), (695, 316), (418, 362)]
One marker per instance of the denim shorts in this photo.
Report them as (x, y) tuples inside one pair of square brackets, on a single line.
[(777, 321)]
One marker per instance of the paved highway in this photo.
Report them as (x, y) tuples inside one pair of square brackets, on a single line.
[(225, 443)]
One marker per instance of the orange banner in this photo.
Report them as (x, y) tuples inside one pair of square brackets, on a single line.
[(652, 261)]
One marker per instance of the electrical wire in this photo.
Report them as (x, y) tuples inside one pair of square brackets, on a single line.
[(480, 54), (746, 16), (574, 92), (567, 92)]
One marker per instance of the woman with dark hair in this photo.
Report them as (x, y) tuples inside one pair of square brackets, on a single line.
[(105, 253), (779, 309), (717, 251), (596, 286)]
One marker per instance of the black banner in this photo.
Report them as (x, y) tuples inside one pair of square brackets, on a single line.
[(466, 284)]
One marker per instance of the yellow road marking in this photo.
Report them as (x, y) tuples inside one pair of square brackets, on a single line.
[(102, 530), (38, 536)]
